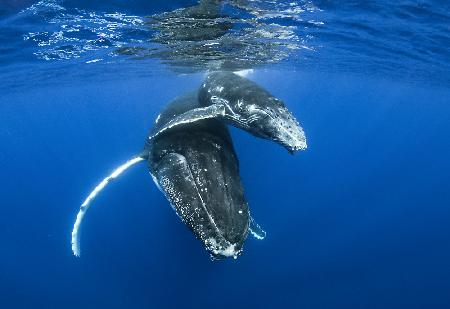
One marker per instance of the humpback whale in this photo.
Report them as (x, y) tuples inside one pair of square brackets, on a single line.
[(191, 158), (243, 104), (196, 168)]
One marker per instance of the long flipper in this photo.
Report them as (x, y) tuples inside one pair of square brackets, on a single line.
[(256, 230), (213, 111), (85, 206)]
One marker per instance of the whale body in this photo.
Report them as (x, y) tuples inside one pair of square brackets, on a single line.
[(242, 103), (191, 157), (197, 169)]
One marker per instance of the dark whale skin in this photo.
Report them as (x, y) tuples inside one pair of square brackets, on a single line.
[(253, 109), (197, 169)]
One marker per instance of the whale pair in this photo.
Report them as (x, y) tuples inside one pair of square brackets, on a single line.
[(191, 158)]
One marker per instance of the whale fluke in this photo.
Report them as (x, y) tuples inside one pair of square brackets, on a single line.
[(86, 204)]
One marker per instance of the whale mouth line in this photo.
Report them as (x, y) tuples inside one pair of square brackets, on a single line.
[(277, 121), (294, 142)]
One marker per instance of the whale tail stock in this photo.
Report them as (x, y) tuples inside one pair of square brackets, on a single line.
[(87, 202)]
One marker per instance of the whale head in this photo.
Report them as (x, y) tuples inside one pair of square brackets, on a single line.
[(270, 119), (252, 108)]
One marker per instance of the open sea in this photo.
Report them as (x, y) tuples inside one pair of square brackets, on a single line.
[(360, 219)]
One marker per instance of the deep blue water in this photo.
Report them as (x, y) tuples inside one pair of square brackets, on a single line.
[(358, 220)]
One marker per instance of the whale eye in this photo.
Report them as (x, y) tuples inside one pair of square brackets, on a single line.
[(240, 105)]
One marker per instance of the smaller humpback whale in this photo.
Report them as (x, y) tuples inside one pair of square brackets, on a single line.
[(192, 160), (242, 103)]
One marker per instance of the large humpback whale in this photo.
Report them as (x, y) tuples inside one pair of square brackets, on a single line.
[(192, 160), (196, 168)]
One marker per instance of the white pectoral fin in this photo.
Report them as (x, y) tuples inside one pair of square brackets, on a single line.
[(256, 230), (196, 114), (86, 204)]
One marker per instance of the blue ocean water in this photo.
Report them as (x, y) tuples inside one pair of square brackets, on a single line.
[(358, 220)]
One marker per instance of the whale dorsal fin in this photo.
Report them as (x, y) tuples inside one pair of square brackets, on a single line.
[(213, 111), (256, 230)]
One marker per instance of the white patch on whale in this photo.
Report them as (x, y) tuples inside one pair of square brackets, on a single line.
[(85, 206), (215, 248)]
